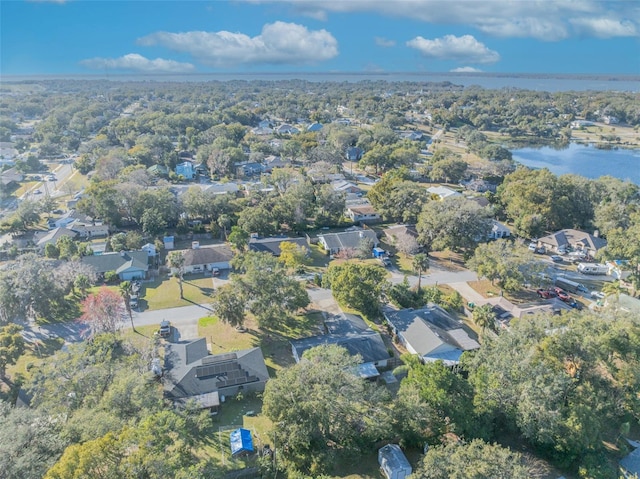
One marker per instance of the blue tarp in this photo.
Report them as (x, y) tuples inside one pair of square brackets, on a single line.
[(241, 441)]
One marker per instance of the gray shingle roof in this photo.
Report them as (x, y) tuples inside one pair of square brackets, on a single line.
[(430, 330), (191, 371), (350, 332), (118, 261), (347, 239), (272, 245), (573, 237), (206, 255)]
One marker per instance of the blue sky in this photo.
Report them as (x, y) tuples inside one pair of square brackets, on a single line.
[(146, 36)]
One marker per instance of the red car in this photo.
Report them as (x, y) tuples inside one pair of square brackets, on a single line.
[(562, 294), (546, 293)]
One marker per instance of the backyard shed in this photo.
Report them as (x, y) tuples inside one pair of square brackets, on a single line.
[(393, 462), (241, 441)]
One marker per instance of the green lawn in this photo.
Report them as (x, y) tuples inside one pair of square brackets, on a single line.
[(165, 293)]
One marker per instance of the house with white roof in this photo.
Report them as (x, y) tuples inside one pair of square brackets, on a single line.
[(442, 192)]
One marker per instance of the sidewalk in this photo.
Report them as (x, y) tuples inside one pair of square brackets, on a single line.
[(468, 293)]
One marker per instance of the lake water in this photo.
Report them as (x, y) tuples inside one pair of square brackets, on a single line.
[(583, 160)]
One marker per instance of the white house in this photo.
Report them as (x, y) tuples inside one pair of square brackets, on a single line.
[(150, 248), (206, 259), (498, 230), (362, 213), (442, 192)]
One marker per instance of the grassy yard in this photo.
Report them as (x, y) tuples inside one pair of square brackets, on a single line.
[(274, 343), (165, 293)]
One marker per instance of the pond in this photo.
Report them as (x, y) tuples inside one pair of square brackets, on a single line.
[(585, 160)]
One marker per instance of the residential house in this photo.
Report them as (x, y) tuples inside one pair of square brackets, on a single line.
[(347, 187), (42, 238), (363, 212), (573, 239), (498, 230), (128, 265), (481, 186), (91, 230), (186, 170), (9, 176), (273, 161), (158, 170), (222, 188), (287, 129), (244, 169), (206, 259), (272, 245), (442, 192), (354, 153), (322, 176), (630, 464), (8, 152), (505, 310), (393, 462), (264, 124), (314, 127), (333, 243), (192, 374), (431, 333), (352, 333), (411, 135)]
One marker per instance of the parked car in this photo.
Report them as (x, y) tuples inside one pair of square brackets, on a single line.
[(533, 246), (215, 272), (546, 293), (165, 328), (556, 259), (386, 262), (37, 192), (597, 295)]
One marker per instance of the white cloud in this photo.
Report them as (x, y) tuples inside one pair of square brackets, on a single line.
[(138, 63), (545, 20), (605, 27), (466, 70), (278, 43), (463, 49), (384, 42)]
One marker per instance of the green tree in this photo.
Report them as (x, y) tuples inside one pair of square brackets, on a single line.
[(445, 392), (476, 459), (323, 410), (270, 293), (125, 292), (454, 223), (508, 264), (357, 285), (293, 256), (484, 317), (175, 259), (30, 440), (229, 305), (239, 238), (11, 346), (420, 264)]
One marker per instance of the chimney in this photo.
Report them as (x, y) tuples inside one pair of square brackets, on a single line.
[(195, 245), (596, 233)]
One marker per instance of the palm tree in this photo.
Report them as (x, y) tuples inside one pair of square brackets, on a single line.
[(613, 288), (125, 292), (176, 261), (484, 317), (420, 264)]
